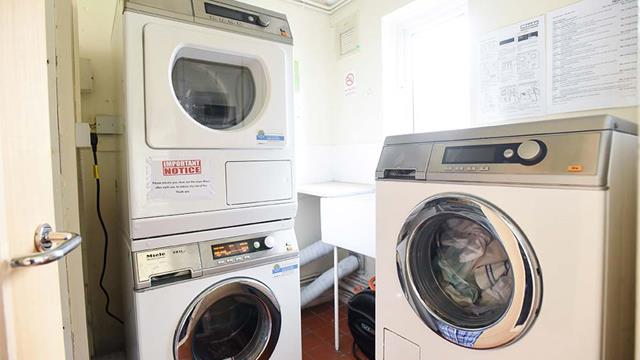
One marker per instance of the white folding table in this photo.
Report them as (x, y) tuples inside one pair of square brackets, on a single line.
[(347, 221)]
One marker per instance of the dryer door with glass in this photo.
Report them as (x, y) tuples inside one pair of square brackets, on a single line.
[(210, 89), (468, 271), (238, 318)]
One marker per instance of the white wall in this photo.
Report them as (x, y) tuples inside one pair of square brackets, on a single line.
[(94, 26), (358, 117)]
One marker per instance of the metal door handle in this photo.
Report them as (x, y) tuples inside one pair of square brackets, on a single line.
[(51, 246)]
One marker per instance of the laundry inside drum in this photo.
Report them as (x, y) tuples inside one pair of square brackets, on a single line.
[(461, 271)]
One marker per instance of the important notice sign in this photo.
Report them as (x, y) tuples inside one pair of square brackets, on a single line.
[(179, 179), (181, 167)]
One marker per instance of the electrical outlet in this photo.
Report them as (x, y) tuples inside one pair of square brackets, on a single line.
[(108, 124)]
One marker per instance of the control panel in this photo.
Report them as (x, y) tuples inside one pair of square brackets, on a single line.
[(237, 15), (578, 158), (528, 152), (171, 264), (243, 18), (547, 154), (229, 15), (561, 152), (217, 254)]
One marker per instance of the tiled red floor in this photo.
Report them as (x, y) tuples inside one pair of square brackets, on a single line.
[(317, 334)]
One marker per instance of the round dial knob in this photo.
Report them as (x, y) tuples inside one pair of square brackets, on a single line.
[(269, 242), (264, 21), (530, 150), (508, 153)]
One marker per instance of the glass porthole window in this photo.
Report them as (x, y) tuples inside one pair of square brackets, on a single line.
[(217, 95), (236, 319), (468, 271)]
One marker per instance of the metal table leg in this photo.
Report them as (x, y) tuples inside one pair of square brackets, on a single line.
[(336, 300)]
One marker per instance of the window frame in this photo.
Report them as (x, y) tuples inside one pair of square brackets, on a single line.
[(398, 28)]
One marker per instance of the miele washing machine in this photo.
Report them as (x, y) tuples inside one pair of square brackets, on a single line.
[(207, 107), (508, 242), (235, 297)]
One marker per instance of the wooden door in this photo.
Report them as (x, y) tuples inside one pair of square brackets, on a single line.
[(31, 192)]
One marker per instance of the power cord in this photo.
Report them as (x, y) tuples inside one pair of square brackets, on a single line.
[(96, 175)]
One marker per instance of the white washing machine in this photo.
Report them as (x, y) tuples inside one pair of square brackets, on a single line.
[(228, 298), (208, 115), (508, 242)]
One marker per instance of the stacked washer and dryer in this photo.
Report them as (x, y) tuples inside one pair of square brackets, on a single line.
[(508, 242), (207, 181)]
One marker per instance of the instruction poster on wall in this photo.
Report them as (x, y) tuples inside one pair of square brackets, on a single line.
[(511, 71), (179, 179), (593, 55)]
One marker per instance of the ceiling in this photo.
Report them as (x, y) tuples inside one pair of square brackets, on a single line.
[(324, 2), (326, 5)]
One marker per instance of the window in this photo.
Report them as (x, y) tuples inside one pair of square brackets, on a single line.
[(218, 96), (426, 68)]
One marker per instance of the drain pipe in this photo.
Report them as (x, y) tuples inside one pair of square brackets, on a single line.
[(314, 251), (323, 283)]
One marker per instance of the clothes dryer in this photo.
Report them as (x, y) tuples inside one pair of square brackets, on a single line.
[(208, 115)]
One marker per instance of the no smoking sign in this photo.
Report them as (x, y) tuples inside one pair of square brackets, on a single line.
[(350, 79), (350, 83)]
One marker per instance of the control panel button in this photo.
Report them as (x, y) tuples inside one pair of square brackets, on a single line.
[(239, 258), (575, 168), (269, 242), (247, 257), (508, 153), (264, 21), (529, 150), (229, 261), (483, 168), (256, 244), (220, 262)]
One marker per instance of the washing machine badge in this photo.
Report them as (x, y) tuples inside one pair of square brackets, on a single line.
[(156, 255)]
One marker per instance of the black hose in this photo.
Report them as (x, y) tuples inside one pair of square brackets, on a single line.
[(94, 149)]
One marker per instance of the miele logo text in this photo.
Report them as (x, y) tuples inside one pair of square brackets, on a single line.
[(155, 255), (181, 167)]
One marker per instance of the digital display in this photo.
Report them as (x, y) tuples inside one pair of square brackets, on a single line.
[(479, 154), (229, 13), (230, 249)]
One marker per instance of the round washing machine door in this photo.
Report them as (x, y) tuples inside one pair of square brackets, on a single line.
[(237, 319), (468, 271)]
